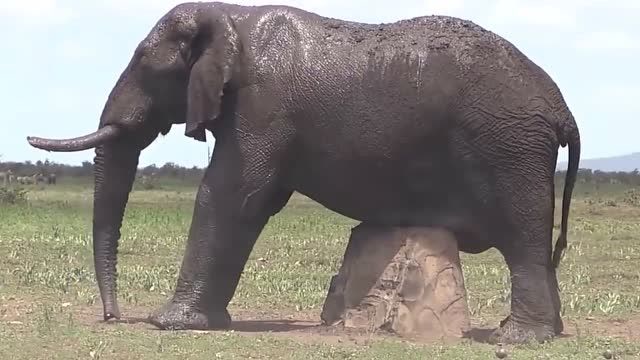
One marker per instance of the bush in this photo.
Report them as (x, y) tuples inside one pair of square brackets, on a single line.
[(13, 195), (632, 197), (147, 183)]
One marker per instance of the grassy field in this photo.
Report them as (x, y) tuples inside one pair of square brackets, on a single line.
[(50, 308)]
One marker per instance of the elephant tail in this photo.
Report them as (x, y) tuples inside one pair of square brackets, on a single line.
[(569, 135)]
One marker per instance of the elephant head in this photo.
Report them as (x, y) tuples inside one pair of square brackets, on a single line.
[(178, 74)]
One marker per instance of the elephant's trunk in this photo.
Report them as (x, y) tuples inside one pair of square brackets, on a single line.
[(103, 135), (115, 166)]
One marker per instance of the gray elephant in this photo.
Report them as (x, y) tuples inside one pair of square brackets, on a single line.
[(432, 121), (39, 178), (26, 180), (6, 177), (51, 179)]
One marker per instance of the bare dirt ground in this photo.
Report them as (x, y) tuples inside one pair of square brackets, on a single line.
[(305, 326)]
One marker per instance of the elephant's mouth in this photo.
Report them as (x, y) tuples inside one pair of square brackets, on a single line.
[(89, 141)]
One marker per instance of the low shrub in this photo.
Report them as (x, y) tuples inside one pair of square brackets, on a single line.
[(13, 195)]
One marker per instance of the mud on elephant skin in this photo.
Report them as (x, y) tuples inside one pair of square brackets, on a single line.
[(431, 121)]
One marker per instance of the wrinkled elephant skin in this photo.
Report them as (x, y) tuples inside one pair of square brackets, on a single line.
[(432, 121)]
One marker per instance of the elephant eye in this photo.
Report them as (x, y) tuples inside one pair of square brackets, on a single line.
[(183, 49)]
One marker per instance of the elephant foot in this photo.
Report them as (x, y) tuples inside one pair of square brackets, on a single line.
[(180, 316), (558, 327), (511, 332)]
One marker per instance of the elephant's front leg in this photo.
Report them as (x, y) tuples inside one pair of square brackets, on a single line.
[(229, 215)]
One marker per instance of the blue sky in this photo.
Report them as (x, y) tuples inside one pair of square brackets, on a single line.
[(61, 58)]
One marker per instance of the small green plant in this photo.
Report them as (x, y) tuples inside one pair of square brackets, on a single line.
[(11, 195)]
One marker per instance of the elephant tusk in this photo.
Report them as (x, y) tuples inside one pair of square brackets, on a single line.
[(85, 142)]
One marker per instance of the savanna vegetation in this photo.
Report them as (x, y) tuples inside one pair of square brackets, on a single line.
[(50, 307)]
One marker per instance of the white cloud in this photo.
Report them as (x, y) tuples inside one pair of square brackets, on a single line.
[(560, 14), (443, 7), (565, 14), (608, 40), (35, 12), (617, 4), (60, 99), (160, 7), (133, 8), (620, 96), (65, 99), (74, 50)]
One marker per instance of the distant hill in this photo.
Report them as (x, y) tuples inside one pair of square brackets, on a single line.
[(625, 163)]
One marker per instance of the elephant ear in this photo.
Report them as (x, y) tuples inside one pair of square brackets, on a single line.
[(214, 56)]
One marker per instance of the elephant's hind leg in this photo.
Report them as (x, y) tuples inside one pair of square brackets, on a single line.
[(526, 208)]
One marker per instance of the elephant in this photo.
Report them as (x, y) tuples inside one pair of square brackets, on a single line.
[(430, 121), (51, 179), (39, 178), (7, 177), (26, 180)]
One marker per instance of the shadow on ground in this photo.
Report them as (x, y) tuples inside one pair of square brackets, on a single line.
[(306, 326), (271, 325)]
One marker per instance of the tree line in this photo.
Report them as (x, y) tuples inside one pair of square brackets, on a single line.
[(599, 177), (28, 168), (175, 171)]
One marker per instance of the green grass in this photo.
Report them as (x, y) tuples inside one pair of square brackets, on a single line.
[(50, 307)]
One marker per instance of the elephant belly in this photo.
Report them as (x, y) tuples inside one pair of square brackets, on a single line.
[(381, 193), (388, 194)]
